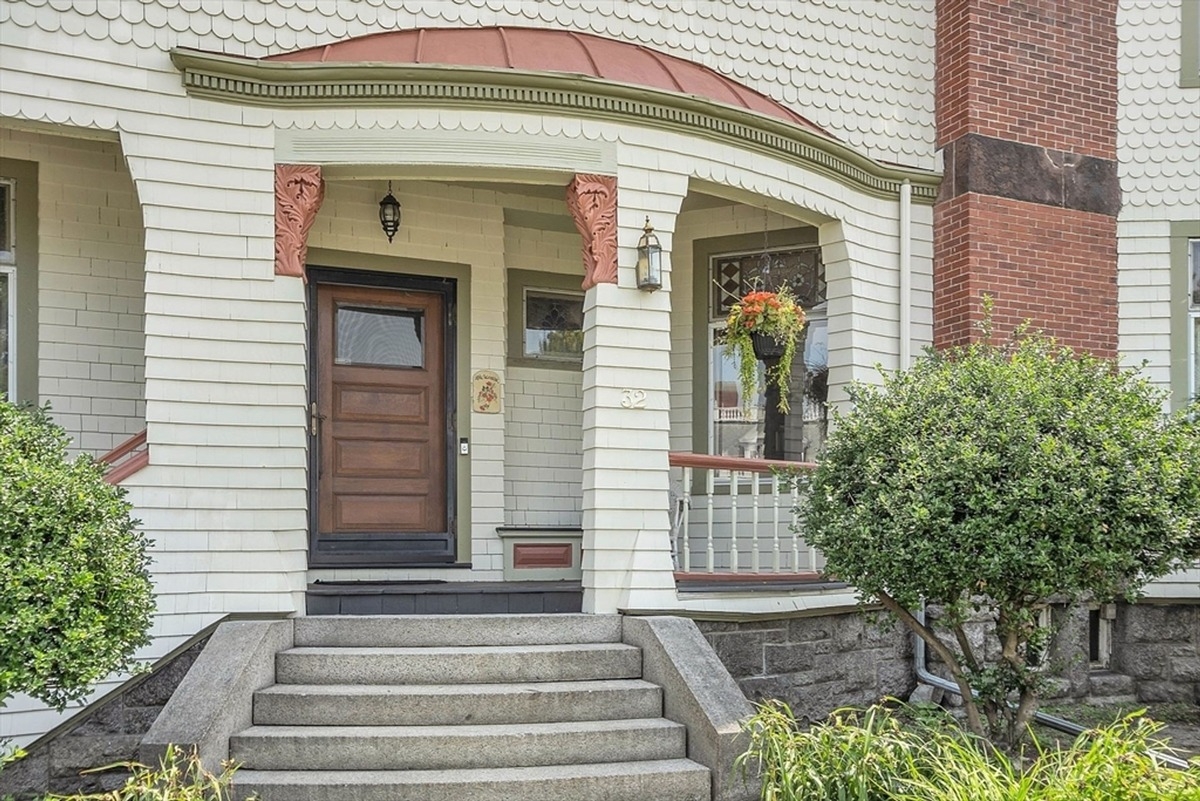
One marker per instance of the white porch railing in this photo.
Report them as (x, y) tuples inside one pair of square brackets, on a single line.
[(734, 517)]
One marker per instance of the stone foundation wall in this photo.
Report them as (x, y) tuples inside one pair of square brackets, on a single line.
[(1158, 645), (816, 664), (106, 733)]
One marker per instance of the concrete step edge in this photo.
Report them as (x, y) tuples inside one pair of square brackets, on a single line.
[(470, 730), (426, 630), (469, 776), (495, 688)]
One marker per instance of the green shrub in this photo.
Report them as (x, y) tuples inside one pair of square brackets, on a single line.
[(899, 754), (989, 478), (75, 592), (179, 777)]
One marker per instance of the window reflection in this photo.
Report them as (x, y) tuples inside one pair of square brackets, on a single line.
[(379, 337), (757, 430)]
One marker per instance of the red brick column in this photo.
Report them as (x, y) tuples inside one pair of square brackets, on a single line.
[(1026, 114)]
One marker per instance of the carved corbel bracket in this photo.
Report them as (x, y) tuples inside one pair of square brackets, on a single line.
[(299, 190), (592, 200)]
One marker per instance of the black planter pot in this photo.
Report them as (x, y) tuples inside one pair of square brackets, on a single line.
[(765, 346)]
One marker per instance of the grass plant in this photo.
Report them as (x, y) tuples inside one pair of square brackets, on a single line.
[(899, 753), (180, 777)]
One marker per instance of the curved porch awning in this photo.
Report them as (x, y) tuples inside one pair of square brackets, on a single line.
[(546, 50)]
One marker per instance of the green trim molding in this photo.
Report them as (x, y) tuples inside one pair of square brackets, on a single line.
[(1189, 62), (25, 193), (1181, 234), (518, 282), (348, 85)]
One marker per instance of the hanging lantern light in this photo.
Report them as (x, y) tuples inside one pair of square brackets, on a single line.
[(649, 263), (389, 213)]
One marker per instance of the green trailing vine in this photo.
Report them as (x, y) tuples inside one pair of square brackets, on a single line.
[(772, 314)]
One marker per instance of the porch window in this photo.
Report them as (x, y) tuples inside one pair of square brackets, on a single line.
[(757, 430), (553, 325), (8, 305)]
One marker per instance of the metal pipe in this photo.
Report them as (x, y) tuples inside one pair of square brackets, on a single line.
[(1046, 719), (905, 275)]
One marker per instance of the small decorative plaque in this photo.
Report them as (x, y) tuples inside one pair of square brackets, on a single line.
[(485, 392)]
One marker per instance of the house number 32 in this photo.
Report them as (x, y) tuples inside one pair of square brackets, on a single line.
[(633, 398)]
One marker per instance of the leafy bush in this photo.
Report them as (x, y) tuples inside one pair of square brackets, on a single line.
[(179, 777), (987, 479), (75, 592), (885, 754)]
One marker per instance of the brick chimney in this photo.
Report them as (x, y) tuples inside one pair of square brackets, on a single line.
[(1026, 108)]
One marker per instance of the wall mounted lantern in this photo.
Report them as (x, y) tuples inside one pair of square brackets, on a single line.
[(649, 263), (389, 213)]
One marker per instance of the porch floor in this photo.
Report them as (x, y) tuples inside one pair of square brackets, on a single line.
[(443, 597)]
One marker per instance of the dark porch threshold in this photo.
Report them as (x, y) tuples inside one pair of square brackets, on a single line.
[(755, 582), (443, 597)]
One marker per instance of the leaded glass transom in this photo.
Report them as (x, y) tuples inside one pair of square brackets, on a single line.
[(734, 275)]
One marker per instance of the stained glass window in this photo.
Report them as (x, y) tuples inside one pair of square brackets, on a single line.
[(553, 325)]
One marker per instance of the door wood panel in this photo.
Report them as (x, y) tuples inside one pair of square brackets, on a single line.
[(381, 425)]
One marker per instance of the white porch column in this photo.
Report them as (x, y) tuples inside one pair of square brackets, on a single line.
[(626, 406)]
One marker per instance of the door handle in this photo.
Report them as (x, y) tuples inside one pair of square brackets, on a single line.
[(314, 419)]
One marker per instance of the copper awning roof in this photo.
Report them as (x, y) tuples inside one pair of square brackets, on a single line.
[(545, 50)]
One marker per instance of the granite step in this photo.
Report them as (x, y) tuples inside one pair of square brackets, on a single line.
[(441, 704), (460, 664), (653, 780), (460, 747)]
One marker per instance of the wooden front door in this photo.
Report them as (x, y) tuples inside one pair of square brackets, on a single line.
[(379, 427)]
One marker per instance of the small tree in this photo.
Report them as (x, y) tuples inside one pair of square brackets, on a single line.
[(75, 592), (990, 478)]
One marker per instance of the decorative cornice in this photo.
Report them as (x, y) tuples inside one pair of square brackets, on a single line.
[(592, 201), (327, 85)]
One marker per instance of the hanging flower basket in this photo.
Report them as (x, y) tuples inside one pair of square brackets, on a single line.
[(764, 325)]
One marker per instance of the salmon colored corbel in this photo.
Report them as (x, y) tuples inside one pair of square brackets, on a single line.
[(299, 190), (592, 200)]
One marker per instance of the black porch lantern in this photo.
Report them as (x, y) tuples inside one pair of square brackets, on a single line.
[(389, 213), (649, 263)]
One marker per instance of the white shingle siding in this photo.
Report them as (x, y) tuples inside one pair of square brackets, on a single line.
[(1158, 150), (880, 101), (90, 287)]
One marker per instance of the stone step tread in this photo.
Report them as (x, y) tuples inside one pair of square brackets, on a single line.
[(398, 704), (654, 780), (334, 748), (459, 731), (1111, 700), (455, 650), (442, 665), (499, 688), (425, 630)]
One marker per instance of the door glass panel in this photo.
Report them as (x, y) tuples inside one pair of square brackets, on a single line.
[(379, 337)]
